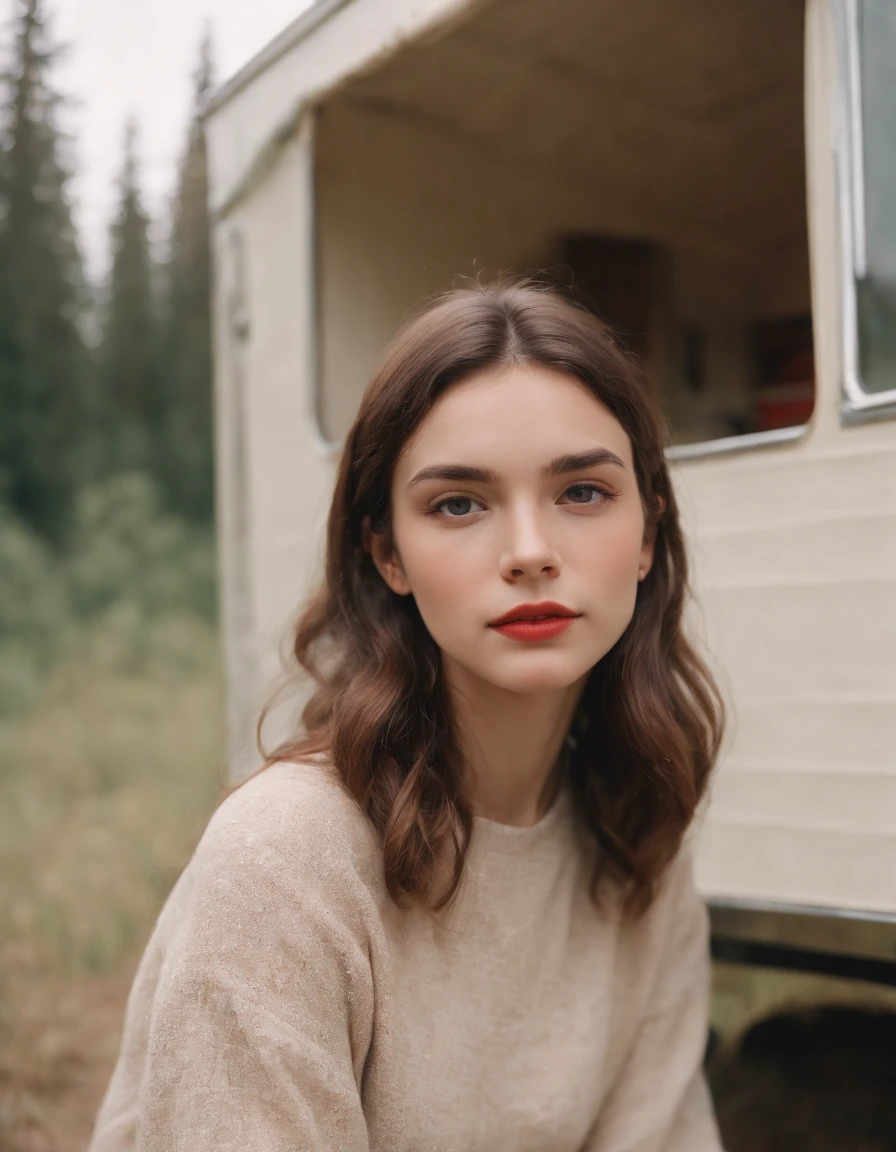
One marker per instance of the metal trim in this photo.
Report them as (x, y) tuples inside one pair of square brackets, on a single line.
[(322, 442), (235, 545), (857, 140), (813, 937), (761, 955), (294, 33), (886, 410), (728, 444), (857, 405)]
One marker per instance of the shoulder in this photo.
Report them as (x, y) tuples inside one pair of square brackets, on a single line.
[(676, 887), (270, 925), (674, 894), (682, 911), (290, 826), (669, 942)]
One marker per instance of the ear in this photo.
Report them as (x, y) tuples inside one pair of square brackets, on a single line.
[(645, 560), (385, 557)]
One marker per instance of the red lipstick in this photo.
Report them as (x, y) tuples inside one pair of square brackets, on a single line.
[(531, 622)]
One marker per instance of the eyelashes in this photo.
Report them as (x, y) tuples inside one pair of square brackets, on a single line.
[(437, 508), (594, 489), (596, 494)]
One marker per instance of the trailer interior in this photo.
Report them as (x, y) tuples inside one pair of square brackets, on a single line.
[(648, 157)]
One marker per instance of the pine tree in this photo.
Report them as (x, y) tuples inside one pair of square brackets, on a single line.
[(130, 409), (42, 357), (188, 356)]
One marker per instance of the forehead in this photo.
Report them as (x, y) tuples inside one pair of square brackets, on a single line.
[(513, 419)]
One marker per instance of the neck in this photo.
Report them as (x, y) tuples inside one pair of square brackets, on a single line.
[(511, 744)]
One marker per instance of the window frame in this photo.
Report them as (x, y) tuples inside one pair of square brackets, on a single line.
[(857, 405)]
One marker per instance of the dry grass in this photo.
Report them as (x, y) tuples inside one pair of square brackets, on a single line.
[(105, 786)]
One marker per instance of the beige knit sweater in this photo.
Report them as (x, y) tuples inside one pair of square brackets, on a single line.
[(285, 1004)]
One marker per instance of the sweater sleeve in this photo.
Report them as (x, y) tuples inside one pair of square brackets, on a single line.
[(659, 1101), (255, 1034)]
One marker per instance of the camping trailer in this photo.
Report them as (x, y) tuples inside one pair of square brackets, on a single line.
[(718, 178)]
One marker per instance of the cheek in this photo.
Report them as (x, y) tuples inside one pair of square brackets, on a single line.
[(440, 572), (613, 555)]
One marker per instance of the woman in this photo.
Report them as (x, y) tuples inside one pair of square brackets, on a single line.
[(456, 913)]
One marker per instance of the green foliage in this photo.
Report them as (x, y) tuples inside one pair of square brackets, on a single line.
[(43, 383), (126, 549), (133, 587), (34, 612), (130, 414), (33, 593), (187, 468), (141, 400)]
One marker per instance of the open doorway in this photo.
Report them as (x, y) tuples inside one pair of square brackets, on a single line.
[(650, 155)]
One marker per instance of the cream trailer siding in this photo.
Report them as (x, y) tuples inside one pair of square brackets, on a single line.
[(378, 150)]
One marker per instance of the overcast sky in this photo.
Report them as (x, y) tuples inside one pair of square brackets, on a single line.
[(136, 57)]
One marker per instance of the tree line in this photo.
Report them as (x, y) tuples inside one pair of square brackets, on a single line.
[(97, 381)]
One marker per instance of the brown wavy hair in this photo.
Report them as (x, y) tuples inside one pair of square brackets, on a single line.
[(650, 719)]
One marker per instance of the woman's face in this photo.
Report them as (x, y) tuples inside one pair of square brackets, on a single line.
[(517, 496)]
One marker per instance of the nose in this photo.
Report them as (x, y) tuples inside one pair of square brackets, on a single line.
[(527, 550)]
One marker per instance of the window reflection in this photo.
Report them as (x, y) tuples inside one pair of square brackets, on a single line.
[(876, 265)]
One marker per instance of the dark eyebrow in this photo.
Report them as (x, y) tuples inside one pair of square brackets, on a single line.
[(576, 462), (459, 472), (581, 460)]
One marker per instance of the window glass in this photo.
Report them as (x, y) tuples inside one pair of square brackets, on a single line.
[(876, 266)]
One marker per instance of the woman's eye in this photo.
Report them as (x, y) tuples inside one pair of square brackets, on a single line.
[(456, 507), (584, 494)]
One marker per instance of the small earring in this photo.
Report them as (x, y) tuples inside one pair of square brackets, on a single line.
[(641, 573)]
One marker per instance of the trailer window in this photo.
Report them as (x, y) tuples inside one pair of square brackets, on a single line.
[(869, 36)]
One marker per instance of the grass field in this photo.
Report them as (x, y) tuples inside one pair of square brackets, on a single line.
[(106, 781)]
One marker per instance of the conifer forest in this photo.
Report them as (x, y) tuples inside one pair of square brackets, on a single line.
[(111, 744)]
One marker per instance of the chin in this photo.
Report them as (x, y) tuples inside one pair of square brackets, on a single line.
[(535, 676)]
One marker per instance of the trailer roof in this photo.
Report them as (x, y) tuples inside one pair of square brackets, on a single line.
[(329, 43), (297, 30)]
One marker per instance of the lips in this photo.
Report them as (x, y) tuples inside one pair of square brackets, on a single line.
[(546, 609), (534, 622)]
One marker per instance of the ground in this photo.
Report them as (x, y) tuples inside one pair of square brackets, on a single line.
[(64, 1052)]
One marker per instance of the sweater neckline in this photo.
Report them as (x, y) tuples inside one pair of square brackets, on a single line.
[(522, 837)]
